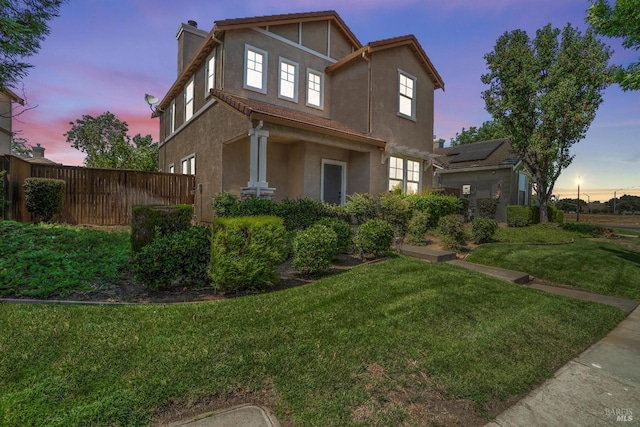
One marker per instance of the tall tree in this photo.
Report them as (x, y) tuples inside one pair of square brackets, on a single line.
[(23, 25), (104, 138), (545, 92), (489, 130), (622, 20)]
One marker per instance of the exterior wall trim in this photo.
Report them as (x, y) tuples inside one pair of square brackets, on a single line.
[(185, 124), (294, 44)]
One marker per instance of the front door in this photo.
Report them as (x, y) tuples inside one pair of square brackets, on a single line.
[(333, 182)]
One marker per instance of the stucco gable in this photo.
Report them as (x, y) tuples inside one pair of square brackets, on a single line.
[(392, 43)]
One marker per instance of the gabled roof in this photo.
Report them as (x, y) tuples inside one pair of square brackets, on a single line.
[(409, 40), (258, 110), (12, 95), (211, 40), (492, 153), (288, 18)]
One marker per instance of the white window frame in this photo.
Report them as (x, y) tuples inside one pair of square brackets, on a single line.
[(320, 104), (403, 95), (285, 81), (188, 164), (399, 173), (263, 68), (172, 168), (172, 117), (189, 95), (210, 73)]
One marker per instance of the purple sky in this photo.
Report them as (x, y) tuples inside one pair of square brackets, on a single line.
[(104, 55)]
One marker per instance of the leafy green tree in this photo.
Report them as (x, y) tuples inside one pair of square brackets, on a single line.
[(489, 130), (23, 25), (104, 138), (19, 145), (621, 20), (545, 93)]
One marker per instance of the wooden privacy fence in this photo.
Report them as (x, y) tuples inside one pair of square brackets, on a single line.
[(95, 196)]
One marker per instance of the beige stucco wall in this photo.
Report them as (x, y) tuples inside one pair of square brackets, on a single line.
[(350, 95), (233, 69), (204, 135), (386, 123)]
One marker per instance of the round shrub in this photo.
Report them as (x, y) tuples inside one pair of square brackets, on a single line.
[(177, 258), (395, 209), (245, 251), (225, 204), (374, 237), (343, 231), (314, 249), (44, 197), (418, 227), (483, 229), (361, 206), (452, 229)]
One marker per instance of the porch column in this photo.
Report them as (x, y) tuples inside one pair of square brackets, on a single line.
[(258, 185)]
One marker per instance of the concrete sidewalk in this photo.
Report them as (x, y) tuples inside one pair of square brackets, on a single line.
[(601, 387)]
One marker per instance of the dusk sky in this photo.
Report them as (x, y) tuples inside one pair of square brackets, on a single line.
[(104, 55)]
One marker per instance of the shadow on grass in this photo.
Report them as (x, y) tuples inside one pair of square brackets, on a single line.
[(625, 254)]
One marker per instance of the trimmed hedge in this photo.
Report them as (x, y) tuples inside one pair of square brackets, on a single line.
[(297, 214), (149, 221), (435, 205), (343, 231), (487, 208), (177, 258), (361, 206), (245, 251), (395, 209), (483, 230), (418, 227), (452, 229), (44, 197), (374, 237), (314, 249)]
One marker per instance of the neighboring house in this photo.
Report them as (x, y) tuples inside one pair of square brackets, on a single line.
[(294, 106), (483, 170), (38, 157), (7, 98)]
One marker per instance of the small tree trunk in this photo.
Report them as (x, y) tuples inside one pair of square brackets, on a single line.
[(544, 218)]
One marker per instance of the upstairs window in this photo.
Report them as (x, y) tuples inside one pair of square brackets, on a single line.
[(406, 95), (288, 80), (188, 101), (210, 72), (315, 82), (255, 69), (404, 174)]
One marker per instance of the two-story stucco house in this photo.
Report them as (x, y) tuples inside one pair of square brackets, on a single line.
[(292, 106)]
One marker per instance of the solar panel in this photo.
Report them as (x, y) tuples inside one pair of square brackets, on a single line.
[(473, 152)]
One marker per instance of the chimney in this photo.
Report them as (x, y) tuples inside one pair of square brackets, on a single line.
[(189, 38), (38, 152), (437, 143)]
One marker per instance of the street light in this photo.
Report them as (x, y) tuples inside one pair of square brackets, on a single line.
[(578, 211)]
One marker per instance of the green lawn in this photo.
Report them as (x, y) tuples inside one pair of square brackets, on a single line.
[(429, 327), (597, 266), (44, 260)]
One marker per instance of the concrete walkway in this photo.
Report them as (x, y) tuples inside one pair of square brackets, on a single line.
[(601, 387)]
